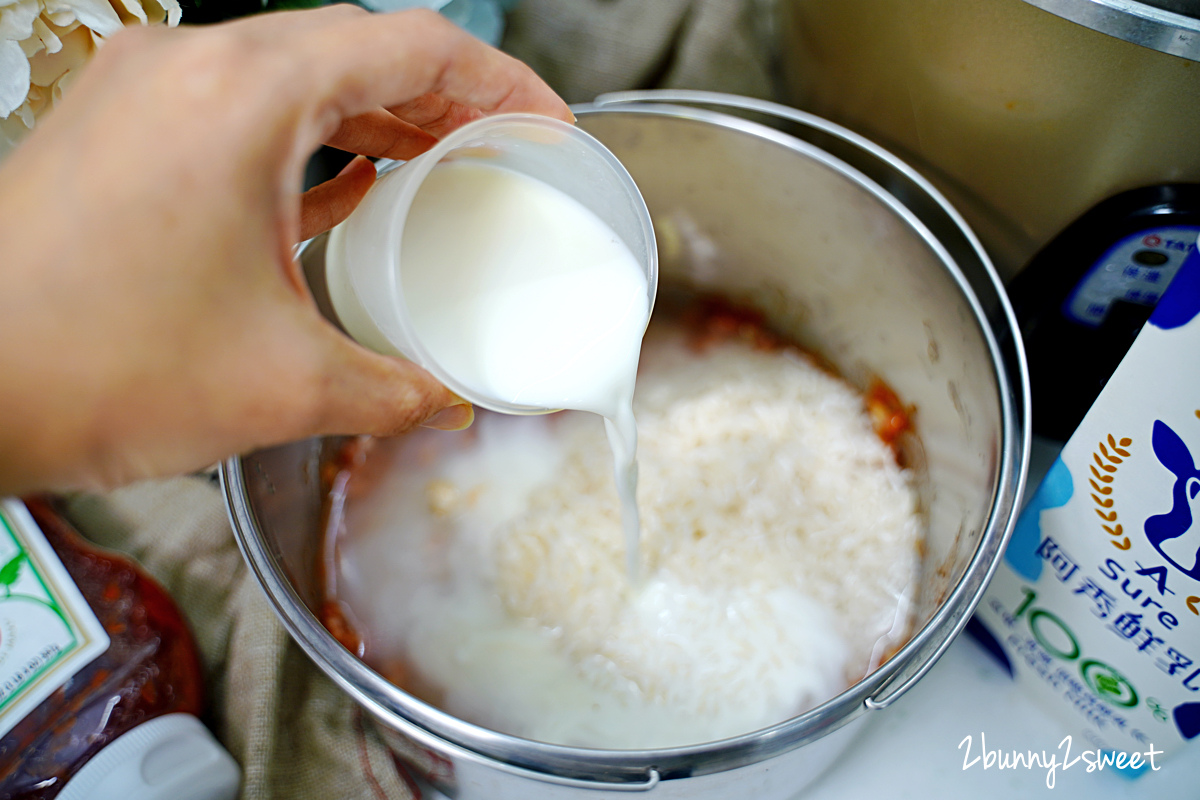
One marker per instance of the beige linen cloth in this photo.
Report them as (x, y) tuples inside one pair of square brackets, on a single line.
[(296, 735)]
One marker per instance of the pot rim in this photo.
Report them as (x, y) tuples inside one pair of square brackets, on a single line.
[(641, 768), (1147, 25)]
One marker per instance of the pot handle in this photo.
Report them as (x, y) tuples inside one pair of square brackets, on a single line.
[(410, 734), (900, 683), (652, 779)]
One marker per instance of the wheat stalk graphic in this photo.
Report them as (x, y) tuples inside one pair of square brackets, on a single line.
[(1107, 459)]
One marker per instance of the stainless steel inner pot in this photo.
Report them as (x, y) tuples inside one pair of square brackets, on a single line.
[(850, 251)]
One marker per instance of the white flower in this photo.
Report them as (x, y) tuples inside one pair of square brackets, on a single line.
[(43, 43)]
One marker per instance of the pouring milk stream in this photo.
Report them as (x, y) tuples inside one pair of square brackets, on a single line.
[(513, 292), (542, 304)]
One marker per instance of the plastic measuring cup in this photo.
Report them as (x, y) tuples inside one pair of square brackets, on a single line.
[(365, 254)]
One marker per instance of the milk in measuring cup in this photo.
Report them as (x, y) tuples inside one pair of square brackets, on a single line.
[(522, 293)]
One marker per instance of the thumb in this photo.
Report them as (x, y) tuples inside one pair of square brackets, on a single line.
[(367, 393)]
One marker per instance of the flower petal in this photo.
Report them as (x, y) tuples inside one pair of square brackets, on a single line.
[(130, 8), (46, 34), (163, 10), (16, 20), (63, 18), (96, 14), (14, 77), (153, 12), (26, 111), (61, 85), (77, 48)]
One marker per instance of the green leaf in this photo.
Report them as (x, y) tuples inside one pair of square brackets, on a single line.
[(10, 571)]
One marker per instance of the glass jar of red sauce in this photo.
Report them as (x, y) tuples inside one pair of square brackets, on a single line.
[(100, 681)]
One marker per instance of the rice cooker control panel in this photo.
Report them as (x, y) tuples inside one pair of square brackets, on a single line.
[(1134, 270), (1084, 297)]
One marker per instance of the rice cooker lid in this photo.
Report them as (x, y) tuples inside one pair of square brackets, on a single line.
[(1168, 26)]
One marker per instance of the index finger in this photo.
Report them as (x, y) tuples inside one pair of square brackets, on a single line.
[(359, 61)]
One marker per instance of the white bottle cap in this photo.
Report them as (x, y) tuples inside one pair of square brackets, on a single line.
[(173, 757)]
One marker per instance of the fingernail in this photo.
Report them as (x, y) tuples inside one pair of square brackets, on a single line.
[(452, 418), (352, 165)]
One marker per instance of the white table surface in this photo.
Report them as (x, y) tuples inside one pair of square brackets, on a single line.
[(911, 750)]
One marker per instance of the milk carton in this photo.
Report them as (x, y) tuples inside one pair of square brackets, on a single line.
[(1096, 605)]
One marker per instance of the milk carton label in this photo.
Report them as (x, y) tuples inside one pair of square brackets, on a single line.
[(1096, 605), (48, 632)]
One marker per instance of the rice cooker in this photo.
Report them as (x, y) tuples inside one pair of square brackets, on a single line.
[(1027, 114)]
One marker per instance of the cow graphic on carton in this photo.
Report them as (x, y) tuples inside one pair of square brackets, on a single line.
[(1169, 533), (1175, 534)]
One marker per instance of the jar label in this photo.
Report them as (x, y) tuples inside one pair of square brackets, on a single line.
[(48, 632)]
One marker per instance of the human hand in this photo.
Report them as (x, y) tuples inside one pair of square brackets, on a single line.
[(153, 319)]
